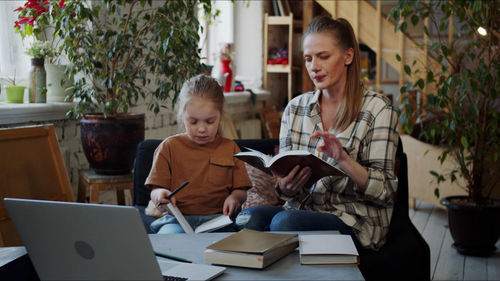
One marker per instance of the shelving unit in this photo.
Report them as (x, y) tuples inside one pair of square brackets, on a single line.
[(289, 23)]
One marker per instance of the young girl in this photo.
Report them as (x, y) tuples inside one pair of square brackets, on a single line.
[(217, 181)]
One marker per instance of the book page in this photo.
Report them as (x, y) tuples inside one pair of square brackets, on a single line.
[(255, 158), (214, 224), (180, 218)]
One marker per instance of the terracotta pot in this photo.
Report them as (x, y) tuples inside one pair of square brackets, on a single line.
[(110, 144), (475, 229)]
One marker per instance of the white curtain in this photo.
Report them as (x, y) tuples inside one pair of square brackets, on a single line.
[(12, 56)]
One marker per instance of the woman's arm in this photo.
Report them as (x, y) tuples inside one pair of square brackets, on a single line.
[(374, 174)]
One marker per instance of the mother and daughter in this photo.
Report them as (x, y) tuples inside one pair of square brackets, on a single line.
[(343, 123)]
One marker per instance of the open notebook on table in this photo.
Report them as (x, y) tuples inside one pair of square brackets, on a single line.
[(76, 241)]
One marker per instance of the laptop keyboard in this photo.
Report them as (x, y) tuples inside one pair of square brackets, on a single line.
[(173, 278)]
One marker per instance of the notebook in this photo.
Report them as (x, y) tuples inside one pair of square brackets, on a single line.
[(79, 241)]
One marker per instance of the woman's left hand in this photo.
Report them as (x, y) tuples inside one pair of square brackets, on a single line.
[(332, 146)]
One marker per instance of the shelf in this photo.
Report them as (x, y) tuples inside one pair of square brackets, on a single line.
[(278, 68)]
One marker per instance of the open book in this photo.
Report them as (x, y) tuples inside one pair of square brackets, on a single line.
[(251, 248), (283, 162), (208, 226)]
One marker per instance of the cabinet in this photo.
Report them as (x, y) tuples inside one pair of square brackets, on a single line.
[(283, 27)]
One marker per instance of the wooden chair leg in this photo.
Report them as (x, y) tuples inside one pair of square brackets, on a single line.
[(94, 194), (120, 197), (82, 190)]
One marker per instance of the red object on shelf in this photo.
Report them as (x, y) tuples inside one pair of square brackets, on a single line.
[(226, 68), (282, 60)]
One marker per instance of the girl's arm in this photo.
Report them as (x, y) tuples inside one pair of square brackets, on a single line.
[(159, 194), (233, 202)]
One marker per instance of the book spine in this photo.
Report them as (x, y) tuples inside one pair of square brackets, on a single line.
[(234, 259)]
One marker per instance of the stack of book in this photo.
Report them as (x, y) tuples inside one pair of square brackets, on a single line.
[(250, 248)]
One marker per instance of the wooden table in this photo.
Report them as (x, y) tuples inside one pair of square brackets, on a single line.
[(88, 179)]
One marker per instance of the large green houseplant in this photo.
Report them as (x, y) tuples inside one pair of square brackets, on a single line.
[(462, 112), (121, 51)]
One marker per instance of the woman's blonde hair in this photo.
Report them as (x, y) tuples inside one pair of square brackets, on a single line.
[(341, 31), (200, 86)]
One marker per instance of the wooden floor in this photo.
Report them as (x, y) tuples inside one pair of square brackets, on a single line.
[(446, 263)]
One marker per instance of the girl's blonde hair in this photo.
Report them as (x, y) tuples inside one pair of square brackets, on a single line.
[(201, 86), (341, 31)]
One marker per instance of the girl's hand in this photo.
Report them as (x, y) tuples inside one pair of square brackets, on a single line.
[(232, 206), (332, 147), (294, 181), (159, 195)]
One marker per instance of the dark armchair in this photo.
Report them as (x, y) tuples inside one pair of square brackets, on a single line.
[(405, 256)]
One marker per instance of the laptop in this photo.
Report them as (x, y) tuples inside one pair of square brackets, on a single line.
[(79, 241)]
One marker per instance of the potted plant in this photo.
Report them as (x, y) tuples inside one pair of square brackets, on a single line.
[(36, 21), (462, 113), (118, 52), (13, 93)]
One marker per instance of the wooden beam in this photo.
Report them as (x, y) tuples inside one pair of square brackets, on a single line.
[(379, 46), (307, 16), (425, 91), (401, 47), (401, 44), (290, 55), (266, 31), (356, 18)]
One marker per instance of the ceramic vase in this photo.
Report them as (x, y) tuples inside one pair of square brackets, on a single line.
[(55, 75), (37, 82), (228, 72)]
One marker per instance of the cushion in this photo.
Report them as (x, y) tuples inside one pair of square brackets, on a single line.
[(262, 192)]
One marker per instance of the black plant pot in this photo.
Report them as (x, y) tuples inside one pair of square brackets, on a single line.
[(110, 143), (475, 229)]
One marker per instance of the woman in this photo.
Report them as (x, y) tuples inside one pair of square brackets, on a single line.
[(351, 128)]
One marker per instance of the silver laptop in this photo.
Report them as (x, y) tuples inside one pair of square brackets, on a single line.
[(76, 241)]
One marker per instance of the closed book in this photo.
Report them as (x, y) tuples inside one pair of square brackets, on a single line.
[(282, 163), (327, 249), (250, 248)]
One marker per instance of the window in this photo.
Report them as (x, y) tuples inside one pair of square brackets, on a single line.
[(12, 56)]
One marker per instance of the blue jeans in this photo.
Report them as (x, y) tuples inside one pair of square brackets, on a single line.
[(275, 218), (168, 224)]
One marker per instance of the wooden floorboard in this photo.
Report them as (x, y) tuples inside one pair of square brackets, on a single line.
[(475, 268), (434, 233), (493, 265), (446, 262), (450, 264), (421, 216)]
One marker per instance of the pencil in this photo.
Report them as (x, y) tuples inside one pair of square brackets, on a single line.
[(163, 255), (174, 192)]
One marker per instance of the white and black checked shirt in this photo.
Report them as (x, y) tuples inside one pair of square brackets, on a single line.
[(371, 140)]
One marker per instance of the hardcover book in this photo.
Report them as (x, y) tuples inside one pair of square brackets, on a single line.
[(327, 249), (282, 163), (250, 248)]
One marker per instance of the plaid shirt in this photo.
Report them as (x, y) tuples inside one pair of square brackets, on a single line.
[(371, 140)]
